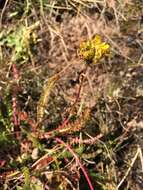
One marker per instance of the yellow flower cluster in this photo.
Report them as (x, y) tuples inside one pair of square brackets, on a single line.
[(93, 50)]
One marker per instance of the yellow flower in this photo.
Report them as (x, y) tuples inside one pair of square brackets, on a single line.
[(93, 50)]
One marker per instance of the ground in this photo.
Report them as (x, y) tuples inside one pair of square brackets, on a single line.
[(65, 123)]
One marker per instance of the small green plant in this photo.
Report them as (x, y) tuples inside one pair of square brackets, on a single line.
[(91, 52), (20, 41)]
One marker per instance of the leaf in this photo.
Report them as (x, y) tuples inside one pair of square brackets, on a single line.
[(19, 188), (20, 41), (26, 179), (36, 187), (44, 98)]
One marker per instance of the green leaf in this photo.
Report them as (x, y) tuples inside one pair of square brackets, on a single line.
[(36, 187), (26, 174)]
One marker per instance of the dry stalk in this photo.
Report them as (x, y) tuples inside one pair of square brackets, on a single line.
[(129, 169)]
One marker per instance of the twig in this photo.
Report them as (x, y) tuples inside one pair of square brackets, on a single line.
[(2, 13), (86, 141), (141, 157)]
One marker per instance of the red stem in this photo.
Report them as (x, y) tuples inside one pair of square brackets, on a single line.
[(78, 161), (14, 98)]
